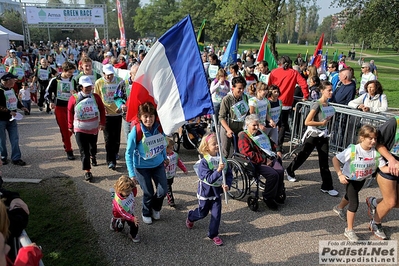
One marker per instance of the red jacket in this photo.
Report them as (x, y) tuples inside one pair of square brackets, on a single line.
[(286, 80), (121, 65)]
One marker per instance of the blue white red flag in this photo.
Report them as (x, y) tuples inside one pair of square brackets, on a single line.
[(325, 62), (318, 53), (172, 77), (230, 56)]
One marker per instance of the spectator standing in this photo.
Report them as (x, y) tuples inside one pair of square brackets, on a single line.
[(8, 109)]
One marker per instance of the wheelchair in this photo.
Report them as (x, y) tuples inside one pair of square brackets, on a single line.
[(190, 136), (244, 177)]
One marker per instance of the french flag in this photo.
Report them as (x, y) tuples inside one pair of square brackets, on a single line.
[(172, 77)]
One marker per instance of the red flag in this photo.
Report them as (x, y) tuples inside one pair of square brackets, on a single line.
[(318, 53), (121, 25), (261, 53)]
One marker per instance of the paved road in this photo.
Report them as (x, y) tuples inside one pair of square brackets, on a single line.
[(287, 237)]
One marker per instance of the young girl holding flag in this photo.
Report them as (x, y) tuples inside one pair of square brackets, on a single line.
[(210, 187)]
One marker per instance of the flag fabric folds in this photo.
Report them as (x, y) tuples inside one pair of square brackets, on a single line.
[(96, 35), (201, 36), (318, 53), (306, 56), (121, 25), (230, 56), (266, 54), (325, 62), (335, 57), (172, 77)]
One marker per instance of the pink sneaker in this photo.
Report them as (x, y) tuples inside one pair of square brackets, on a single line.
[(217, 240), (189, 224)]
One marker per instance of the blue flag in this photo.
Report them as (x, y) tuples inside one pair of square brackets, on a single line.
[(230, 56)]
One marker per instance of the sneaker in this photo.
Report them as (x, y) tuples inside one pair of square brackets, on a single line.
[(41, 109), (19, 162), (331, 192), (290, 178), (146, 219), (350, 234), (94, 161), (340, 212), (172, 203), (370, 207), (5, 161), (136, 239), (156, 215), (217, 240), (117, 156), (377, 230), (111, 166), (88, 176), (70, 155), (189, 224)]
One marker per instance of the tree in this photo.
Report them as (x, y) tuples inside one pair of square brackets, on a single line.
[(156, 17), (373, 20), (12, 20)]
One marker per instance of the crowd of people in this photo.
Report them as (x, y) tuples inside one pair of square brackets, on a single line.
[(252, 104)]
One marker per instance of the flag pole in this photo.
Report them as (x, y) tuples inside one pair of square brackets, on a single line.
[(220, 153)]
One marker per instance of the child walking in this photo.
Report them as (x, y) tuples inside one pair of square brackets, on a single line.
[(24, 96), (259, 105), (360, 162), (174, 162), (210, 187), (123, 207)]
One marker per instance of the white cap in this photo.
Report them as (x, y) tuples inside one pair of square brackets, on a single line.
[(85, 81), (108, 54), (323, 77), (12, 51), (108, 69)]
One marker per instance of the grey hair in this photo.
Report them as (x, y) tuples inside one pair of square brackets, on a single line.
[(251, 118)]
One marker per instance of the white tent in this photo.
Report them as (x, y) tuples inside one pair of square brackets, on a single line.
[(5, 37)]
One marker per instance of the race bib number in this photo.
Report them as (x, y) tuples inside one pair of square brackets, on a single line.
[(212, 71), (43, 74), (110, 90), (20, 73), (328, 111), (153, 146), (240, 109), (11, 100), (275, 114), (363, 169), (263, 142), (64, 90), (87, 109)]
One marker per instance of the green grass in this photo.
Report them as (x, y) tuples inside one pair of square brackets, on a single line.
[(58, 223), (386, 60)]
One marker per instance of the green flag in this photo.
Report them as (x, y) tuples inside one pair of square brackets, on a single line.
[(269, 58), (201, 36), (335, 57)]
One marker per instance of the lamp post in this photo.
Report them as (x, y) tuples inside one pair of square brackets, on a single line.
[(106, 22)]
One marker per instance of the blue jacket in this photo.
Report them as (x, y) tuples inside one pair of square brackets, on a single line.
[(133, 150), (344, 94), (211, 176)]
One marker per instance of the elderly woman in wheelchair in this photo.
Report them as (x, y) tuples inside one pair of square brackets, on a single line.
[(258, 148)]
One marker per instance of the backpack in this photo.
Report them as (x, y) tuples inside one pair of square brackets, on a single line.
[(139, 131)]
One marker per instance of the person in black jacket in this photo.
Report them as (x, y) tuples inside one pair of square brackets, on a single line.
[(9, 103)]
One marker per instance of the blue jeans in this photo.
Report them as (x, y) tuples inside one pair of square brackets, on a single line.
[(12, 129), (126, 127), (152, 199)]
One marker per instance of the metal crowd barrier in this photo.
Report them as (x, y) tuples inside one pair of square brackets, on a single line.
[(343, 128)]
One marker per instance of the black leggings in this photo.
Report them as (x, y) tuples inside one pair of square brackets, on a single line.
[(352, 194)]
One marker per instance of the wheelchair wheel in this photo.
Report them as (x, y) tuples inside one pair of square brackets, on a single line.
[(239, 187), (253, 203), (176, 140)]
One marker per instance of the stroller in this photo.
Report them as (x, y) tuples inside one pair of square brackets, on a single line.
[(190, 135)]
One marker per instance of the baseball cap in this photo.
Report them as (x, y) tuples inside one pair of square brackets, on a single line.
[(12, 51), (249, 64), (85, 81), (108, 54), (323, 77), (8, 76), (108, 69), (366, 65)]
